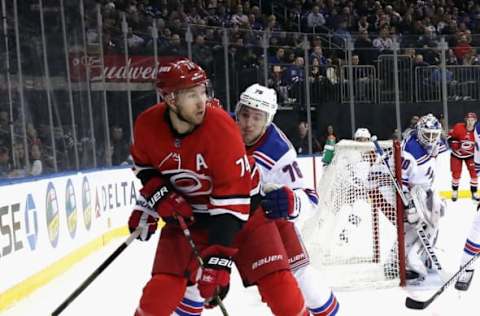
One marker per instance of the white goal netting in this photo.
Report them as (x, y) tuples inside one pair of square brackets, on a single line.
[(353, 238)]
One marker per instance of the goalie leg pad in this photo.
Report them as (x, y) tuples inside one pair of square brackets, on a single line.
[(281, 293), (158, 286)]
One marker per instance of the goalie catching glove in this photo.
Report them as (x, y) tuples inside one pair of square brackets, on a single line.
[(214, 276), (280, 202)]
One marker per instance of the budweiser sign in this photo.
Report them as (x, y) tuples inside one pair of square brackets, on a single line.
[(137, 69)]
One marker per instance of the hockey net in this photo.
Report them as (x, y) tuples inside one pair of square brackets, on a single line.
[(356, 237)]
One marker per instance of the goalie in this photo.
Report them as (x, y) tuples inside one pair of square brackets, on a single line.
[(419, 153)]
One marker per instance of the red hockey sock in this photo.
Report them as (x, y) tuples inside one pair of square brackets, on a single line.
[(161, 295), (281, 293)]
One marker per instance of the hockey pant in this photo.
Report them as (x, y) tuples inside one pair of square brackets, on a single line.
[(472, 245), (456, 169)]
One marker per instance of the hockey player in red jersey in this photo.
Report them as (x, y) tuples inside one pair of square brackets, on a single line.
[(462, 144), (184, 173)]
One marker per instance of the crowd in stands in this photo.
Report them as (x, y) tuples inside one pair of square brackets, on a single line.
[(370, 25)]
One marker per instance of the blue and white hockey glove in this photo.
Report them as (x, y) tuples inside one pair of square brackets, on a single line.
[(281, 203)]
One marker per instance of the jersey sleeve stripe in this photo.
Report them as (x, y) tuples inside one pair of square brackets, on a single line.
[(262, 163), (312, 195), (264, 157), (229, 201)]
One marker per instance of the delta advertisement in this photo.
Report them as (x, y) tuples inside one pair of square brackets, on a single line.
[(47, 219)]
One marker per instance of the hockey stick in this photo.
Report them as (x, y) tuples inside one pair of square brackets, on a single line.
[(417, 304), (419, 229), (188, 235), (97, 272)]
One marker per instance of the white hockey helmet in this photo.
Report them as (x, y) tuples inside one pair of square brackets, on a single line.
[(429, 130), (362, 135), (260, 98)]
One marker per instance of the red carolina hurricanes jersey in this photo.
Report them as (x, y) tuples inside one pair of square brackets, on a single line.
[(209, 165), (462, 141)]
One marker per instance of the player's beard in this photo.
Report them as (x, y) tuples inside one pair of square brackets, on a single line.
[(192, 120)]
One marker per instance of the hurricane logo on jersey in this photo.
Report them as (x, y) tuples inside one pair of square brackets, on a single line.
[(190, 183)]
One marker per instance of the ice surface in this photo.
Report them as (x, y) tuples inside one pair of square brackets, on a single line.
[(117, 290)]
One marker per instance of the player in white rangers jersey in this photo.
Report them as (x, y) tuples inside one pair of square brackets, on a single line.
[(419, 153), (288, 196), (472, 244)]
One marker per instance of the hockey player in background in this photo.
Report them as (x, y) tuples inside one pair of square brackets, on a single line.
[(419, 152), (184, 175), (462, 144), (472, 244), (286, 197)]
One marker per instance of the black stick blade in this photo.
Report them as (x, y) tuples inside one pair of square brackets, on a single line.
[(414, 304)]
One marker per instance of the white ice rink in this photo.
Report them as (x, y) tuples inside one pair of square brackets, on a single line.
[(117, 290)]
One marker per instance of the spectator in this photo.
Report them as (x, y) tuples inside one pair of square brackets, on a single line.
[(296, 72), (175, 47), (364, 48), (300, 140), (36, 161), (134, 41), (239, 18), (383, 43), (318, 54), (5, 166), (120, 146), (411, 127), (462, 48), (315, 19), (202, 53), (279, 57)]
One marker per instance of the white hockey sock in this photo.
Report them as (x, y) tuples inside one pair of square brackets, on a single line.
[(319, 298), (191, 304)]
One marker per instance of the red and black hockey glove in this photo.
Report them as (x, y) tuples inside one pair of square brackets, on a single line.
[(281, 203), (143, 217), (161, 197), (214, 277)]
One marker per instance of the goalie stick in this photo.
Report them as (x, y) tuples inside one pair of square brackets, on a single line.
[(418, 304), (422, 235)]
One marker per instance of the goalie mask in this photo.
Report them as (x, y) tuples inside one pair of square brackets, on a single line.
[(260, 98), (429, 130), (362, 135)]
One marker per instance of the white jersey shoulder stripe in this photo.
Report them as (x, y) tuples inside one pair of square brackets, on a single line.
[(229, 201), (220, 211)]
